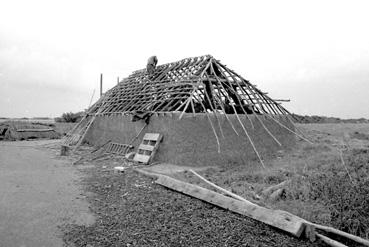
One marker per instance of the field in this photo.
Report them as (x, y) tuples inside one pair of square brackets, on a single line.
[(325, 182), (37, 120), (60, 127)]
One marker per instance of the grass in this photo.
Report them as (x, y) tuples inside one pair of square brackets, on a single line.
[(64, 128), (321, 187)]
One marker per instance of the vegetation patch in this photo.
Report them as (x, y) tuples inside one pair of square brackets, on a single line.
[(70, 117)]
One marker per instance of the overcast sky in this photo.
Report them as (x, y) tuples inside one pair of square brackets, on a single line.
[(315, 53)]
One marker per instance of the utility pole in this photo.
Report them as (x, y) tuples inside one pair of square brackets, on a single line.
[(118, 80), (101, 84)]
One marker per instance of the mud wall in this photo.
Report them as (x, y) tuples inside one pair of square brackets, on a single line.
[(191, 140)]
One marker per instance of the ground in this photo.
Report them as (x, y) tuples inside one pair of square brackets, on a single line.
[(133, 211), (38, 194), (328, 180), (42, 193)]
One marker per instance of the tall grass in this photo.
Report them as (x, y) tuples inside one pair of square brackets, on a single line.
[(327, 193), (345, 196)]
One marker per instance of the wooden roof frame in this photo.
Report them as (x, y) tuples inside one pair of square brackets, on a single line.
[(193, 85), (198, 84)]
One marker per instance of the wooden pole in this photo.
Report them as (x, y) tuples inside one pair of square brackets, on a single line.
[(221, 189), (275, 120), (118, 80), (101, 84), (329, 241), (92, 96), (134, 138), (277, 218), (341, 233), (255, 114)]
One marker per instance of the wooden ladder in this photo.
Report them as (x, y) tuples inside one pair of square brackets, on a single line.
[(118, 148), (77, 134), (148, 147)]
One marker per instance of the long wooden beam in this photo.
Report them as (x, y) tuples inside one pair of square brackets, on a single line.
[(276, 218)]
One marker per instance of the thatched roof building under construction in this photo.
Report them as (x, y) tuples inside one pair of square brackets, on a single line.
[(207, 114)]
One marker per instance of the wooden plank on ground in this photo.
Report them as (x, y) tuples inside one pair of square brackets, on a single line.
[(330, 242), (287, 222), (276, 218)]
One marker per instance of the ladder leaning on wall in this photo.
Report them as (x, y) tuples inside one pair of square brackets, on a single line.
[(78, 133)]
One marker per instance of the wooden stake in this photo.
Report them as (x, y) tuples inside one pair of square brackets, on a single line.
[(226, 115), (221, 189), (268, 131), (134, 138), (257, 117), (193, 107), (187, 103), (252, 143), (237, 96), (212, 126), (288, 129), (215, 114), (245, 131), (64, 150), (329, 241), (93, 93), (101, 84), (341, 233), (343, 163)]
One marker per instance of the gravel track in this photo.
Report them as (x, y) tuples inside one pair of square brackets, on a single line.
[(133, 211), (37, 194)]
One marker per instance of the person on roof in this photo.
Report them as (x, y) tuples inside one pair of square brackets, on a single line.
[(151, 64)]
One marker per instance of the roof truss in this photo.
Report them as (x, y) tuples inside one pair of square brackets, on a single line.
[(199, 84)]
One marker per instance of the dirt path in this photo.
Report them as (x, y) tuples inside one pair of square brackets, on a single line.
[(38, 193)]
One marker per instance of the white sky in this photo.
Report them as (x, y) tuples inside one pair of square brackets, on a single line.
[(315, 53)]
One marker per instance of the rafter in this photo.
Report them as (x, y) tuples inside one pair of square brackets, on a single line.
[(210, 86)]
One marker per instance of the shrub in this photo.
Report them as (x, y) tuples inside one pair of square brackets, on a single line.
[(70, 117)]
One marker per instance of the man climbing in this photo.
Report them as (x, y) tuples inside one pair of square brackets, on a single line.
[(151, 64)]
